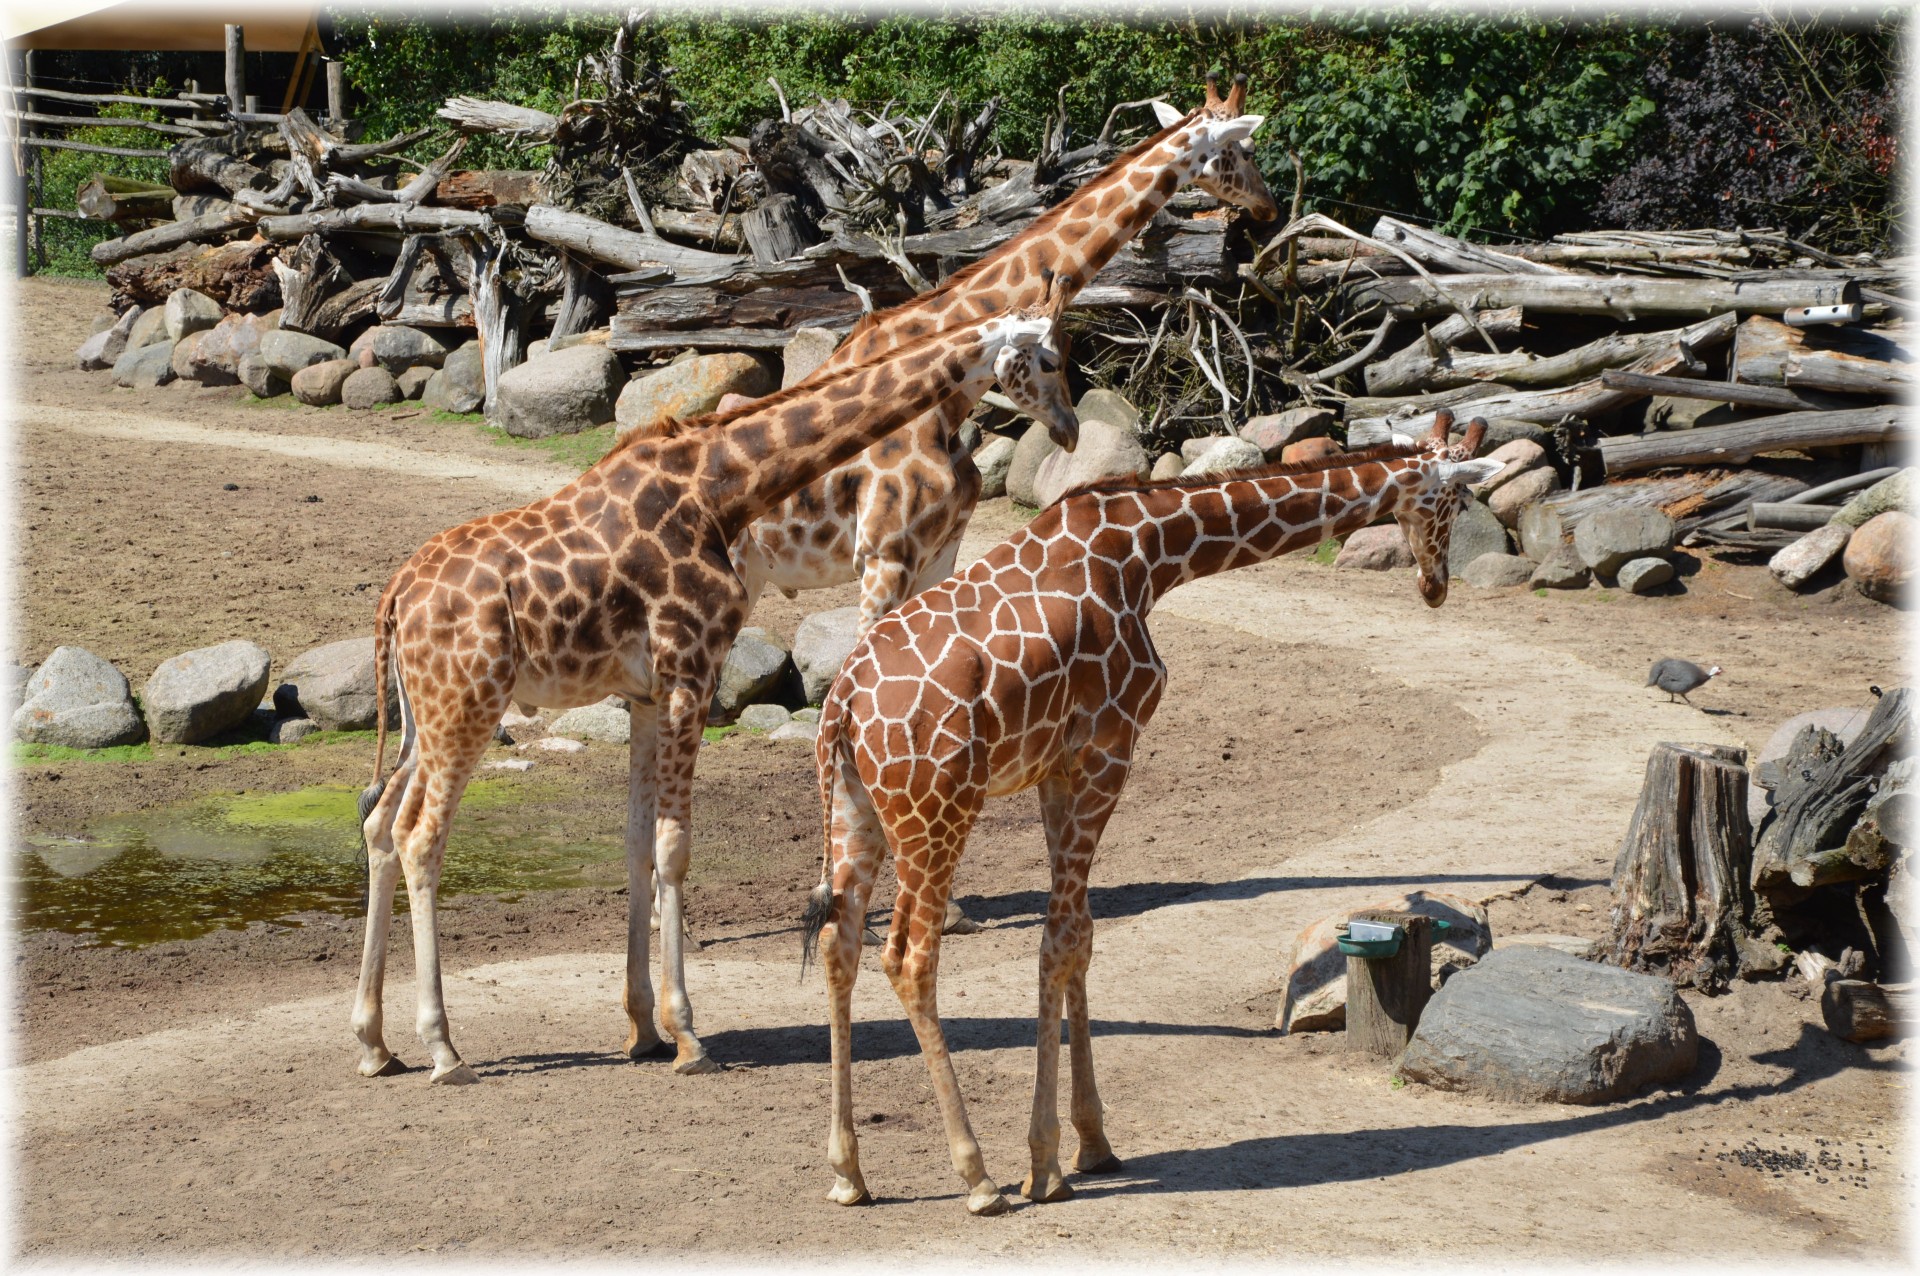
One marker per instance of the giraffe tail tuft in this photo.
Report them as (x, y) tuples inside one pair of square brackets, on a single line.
[(820, 906), (369, 798)]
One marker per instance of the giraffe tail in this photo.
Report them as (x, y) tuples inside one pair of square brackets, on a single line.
[(382, 650), (821, 902)]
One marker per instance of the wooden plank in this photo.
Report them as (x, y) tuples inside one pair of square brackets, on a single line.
[(1743, 440), (124, 152), (163, 103)]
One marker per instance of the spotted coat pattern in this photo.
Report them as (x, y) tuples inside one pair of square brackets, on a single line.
[(621, 584), (1034, 667)]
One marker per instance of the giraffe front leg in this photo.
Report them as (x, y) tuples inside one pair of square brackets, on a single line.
[(853, 856), (1089, 1114), (681, 718), (421, 858), (636, 994)]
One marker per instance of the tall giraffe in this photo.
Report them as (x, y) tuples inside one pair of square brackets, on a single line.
[(620, 584), (892, 518), (1033, 667)]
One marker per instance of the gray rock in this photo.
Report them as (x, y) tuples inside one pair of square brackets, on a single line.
[(1562, 569), (1571, 945), (808, 714), (755, 665), (1099, 404), (1475, 532), (807, 732), (78, 700), (1167, 466), (564, 393), (1035, 446), (1895, 492), (104, 348), (13, 687), (805, 351), (194, 362), (1610, 539), (286, 351), (198, 694), (538, 349), (592, 337), (993, 460), (682, 391), (397, 347), (1797, 564), (1542, 531), (821, 645), (319, 384), (413, 381), (608, 721), (1497, 571), (1375, 549), (461, 383), (1272, 432), (150, 329), (291, 730), (189, 311), (334, 685), (1502, 430), (1515, 497), (369, 388), (145, 367), (262, 380), (1104, 452), (1527, 1023), (1224, 456), (1192, 450), (1644, 575), (763, 717), (231, 340)]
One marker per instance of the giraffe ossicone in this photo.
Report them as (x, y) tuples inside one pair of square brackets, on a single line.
[(1033, 667), (619, 584)]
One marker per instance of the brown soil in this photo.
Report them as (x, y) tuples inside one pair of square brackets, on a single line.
[(1324, 739)]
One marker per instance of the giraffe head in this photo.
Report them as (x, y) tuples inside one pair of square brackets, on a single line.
[(1432, 491), (1217, 136), (1033, 370)]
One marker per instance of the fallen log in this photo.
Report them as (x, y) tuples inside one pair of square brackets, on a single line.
[(423, 291), (716, 231), (108, 197), (629, 250), (1611, 296), (214, 226), (1743, 440), (1848, 374), (1693, 499), (777, 230), (1824, 788), (478, 115), (1431, 248), (1740, 395), (209, 165), (240, 276), (402, 219), (1858, 1011), (1789, 516), (1763, 346), (1420, 365), (480, 188)]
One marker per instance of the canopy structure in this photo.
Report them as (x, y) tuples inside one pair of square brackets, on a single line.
[(270, 28)]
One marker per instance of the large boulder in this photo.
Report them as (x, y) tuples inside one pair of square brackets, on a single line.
[(1529, 1023), (1542, 531), (1797, 564), (189, 311), (1513, 498), (369, 388), (1101, 404), (198, 694), (334, 686), (681, 391), (1272, 432), (1309, 450), (1611, 539), (805, 351), (756, 666), (1192, 449), (993, 460), (609, 721), (1498, 571), (1315, 990), (105, 347), (1376, 549), (262, 380), (319, 385), (413, 381), (1561, 569), (1167, 465), (286, 352), (144, 367), (397, 347), (591, 337), (1880, 557), (77, 700), (149, 329), (1105, 451), (568, 391), (1644, 575), (189, 365), (231, 340), (1475, 532), (821, 645), (1224, 456), (461, 383), (763, 717), (1035, 446)]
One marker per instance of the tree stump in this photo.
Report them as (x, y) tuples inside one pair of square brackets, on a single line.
[(1681, 901), (1856, 1010), (1385, 995), (1823, 791), (777, 229)]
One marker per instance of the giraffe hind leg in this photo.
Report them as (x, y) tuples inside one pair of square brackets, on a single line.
[(380, 809), (837, 912)]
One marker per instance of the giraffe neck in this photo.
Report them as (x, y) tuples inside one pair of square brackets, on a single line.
[(1197, 529), (751, 462)]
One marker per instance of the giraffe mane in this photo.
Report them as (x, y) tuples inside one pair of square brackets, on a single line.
[(1273, 469)]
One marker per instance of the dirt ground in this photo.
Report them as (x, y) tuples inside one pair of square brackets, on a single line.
[(1325, 739)]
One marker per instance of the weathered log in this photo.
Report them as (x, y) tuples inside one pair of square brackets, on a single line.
[(697, 229), (345, 153), (1840, 373), (423, 291), (1788, 516), (1444, 252), (778, 229), (108, 197), (1612, 296), (1886, 826), (214, 226), (402, 219), (477, 115), (308, 276), (1743, 440), (1420, 365), (707, 176), (501, 316), (1824, 788), (240, 276), (1741, 395), (629, 250), (586, 298), (1858, 1011), (1693, 498), (1520, 369), (1385, 995), (209, 165), (419, 190), (1763, 347), (1681, 903), (708, 338), (481, 188), (350, 305)]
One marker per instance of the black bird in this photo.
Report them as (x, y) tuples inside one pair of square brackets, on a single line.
[(1677, 677)]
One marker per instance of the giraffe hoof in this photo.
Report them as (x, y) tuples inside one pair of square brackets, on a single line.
[(1106, 1164), (694, 1065), (1044, 1190), (391, 1067), (458, 1074), (847, 1192), (986, 1202), (652, 1048)]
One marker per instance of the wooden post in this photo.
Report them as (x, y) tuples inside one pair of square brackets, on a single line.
[(336, 92), (22, 168), (1385, 995), (236, 66)]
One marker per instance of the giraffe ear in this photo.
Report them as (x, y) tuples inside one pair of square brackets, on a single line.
[(1166, 114), (1238, 128), (1469, 473)]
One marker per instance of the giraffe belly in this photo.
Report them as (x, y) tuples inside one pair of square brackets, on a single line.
[(627, 673)]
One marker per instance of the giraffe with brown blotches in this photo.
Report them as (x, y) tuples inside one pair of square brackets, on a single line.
[(893, 517), (1034, 667), (620, 584)]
